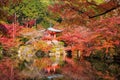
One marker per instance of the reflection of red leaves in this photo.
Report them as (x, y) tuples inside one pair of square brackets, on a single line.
[(7, 70), (69, 61), (52, 68), (105, 76), (83, 70)]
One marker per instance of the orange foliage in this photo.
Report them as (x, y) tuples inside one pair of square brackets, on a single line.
[(42, 45)]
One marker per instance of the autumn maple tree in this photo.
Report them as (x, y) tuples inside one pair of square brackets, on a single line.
[(88, 25), (91, 27), (9, 32)]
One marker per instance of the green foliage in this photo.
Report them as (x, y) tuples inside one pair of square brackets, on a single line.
[(45, 23), (4, 7), (40, 54), (27, 8), (98, 1), (31, 9), (22, 65), (24, 40), (1, 56)]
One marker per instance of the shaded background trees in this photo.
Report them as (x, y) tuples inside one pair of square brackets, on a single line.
[(26, 11)]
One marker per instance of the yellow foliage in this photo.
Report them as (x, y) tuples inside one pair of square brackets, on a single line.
[(26, 53), (26, 30), (42, 45)]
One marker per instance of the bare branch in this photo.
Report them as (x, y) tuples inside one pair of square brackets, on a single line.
[(104, 12)]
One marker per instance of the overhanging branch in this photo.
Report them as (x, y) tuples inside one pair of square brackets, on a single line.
[(104, 12), (107, 7)]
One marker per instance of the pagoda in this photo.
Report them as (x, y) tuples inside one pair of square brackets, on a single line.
[(50, 33)]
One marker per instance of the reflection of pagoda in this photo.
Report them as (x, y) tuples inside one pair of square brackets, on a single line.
[(51, 33)]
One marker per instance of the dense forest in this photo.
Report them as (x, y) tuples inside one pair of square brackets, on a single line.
[(59, 39)]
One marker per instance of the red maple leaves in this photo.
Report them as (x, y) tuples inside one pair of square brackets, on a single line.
[(12, 30), (101, 34)]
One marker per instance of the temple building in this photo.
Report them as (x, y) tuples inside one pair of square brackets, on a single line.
[(51, 33)]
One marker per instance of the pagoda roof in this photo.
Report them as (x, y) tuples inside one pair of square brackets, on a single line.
[(54, 30)]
